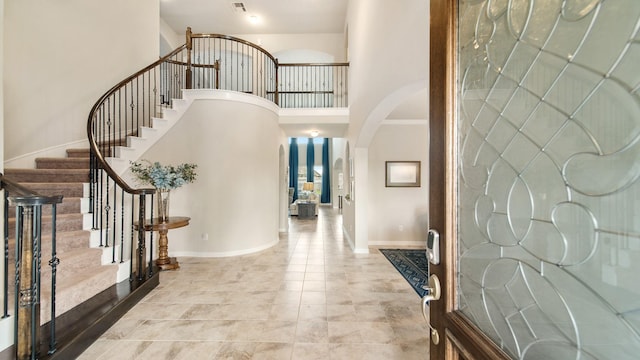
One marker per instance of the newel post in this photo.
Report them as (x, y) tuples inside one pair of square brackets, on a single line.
[(27, 323), (216, 67), (277, 94), (189, 47), (141, 239)]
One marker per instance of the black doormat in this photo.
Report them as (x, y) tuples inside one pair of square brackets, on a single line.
[(412, 265)]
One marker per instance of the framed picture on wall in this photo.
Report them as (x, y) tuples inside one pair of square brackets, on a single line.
[(402, 174)]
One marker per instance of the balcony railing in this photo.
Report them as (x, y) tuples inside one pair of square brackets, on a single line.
[(214, 61), (312, 85)]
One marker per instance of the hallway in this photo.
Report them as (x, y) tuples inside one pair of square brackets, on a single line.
[(309, 297)]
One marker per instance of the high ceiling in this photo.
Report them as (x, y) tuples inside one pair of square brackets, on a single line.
[(272, 16), (232, 17)]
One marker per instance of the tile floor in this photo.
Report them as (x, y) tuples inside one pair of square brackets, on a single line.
[(309, 297)]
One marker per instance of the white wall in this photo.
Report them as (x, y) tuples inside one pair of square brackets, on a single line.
[(6, 325), (398, 216), (388, 56), (234, 202), (332, 44), (169, 39), (388, 50), (62, 56)]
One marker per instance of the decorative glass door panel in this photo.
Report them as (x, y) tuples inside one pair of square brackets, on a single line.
[(548, 176)]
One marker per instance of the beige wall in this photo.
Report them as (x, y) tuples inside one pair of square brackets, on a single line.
[(398, 216), (388, 55), (6, 325), (173, 39), (234, 202), (63, 56), (388, 52), (332, 44)]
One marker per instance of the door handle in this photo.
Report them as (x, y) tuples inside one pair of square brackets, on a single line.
[(434, 294)]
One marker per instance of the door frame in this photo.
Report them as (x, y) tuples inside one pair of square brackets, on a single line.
[(459, 338)]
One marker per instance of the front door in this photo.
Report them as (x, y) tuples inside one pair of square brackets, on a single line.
[(535, 178)]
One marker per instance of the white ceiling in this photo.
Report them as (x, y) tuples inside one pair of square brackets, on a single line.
[(274, 16)]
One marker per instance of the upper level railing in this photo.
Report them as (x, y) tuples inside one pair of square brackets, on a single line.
[(225, 62), (214, 61), (312, 85), (205, 61)]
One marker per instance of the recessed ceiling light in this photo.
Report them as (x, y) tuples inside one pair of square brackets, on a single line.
[(254, 19)]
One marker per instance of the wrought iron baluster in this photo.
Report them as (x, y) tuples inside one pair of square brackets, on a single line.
[(5, 282), (53, 263)]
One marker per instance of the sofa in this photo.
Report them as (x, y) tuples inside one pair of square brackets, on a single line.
[(304, 197)]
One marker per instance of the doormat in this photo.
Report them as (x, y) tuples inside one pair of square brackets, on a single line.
[(412, 265)]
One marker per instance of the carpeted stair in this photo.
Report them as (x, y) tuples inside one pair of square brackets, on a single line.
[(80, 273)]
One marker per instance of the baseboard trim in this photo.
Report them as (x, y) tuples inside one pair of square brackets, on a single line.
[(397, 244), (349, 240), (217, 254), (28, 160)]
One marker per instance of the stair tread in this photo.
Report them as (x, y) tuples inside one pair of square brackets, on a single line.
[(79, 150)]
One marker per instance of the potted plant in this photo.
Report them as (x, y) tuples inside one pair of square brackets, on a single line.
[(164, 178)]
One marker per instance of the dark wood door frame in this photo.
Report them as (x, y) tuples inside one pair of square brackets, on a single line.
[(459, 338)]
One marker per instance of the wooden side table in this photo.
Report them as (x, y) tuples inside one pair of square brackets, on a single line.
[(164, 262)]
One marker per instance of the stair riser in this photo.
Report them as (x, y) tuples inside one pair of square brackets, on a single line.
[(65, 241), (69, 222), (67, 190), (63, 163), (78, 153), (44, 175), (69, 293), (70, 263), (68, 206)]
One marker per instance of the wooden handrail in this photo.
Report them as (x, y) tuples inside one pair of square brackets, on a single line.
[(93, 143), (25, 196), (235, 39), (315, 64)]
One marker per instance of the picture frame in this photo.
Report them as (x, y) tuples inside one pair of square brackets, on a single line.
[(402, 174)]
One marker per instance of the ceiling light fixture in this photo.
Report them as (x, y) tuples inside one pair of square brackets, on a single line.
[(314, 133), (254, 19)]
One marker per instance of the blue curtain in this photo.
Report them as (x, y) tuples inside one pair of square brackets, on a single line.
[(310, 160), (293, 167), (326, 176)]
